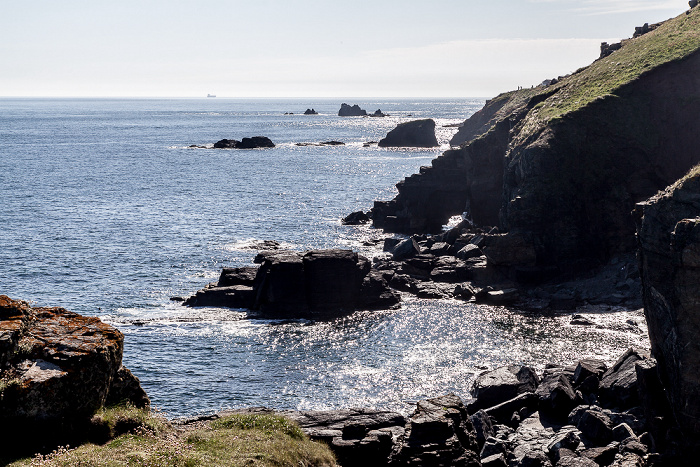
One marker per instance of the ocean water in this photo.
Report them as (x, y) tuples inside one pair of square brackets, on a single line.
[(106, 210)]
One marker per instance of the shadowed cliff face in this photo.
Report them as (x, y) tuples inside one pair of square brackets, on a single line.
[(669, 253), (563, 166)]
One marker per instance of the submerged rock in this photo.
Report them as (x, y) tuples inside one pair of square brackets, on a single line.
[(245, 143)]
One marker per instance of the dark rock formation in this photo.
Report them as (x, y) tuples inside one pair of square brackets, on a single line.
[(245, 143), (378, 113), (669, 240), (310, 112), (565, 185), (351, 111), (414, 134), (57, 368), (318, 284), (356, 218)]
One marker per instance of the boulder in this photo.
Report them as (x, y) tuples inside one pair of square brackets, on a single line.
[(502, 384), (57, 368), (226, 144), (440, 433), (593, 422), (351, 111), (556, 396), (358, 437), (618, 385), (417, 133), (406, 249)]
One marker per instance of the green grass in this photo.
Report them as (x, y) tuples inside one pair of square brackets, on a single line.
[(676, 39), (237, 440)]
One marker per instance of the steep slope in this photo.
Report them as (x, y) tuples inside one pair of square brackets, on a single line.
[(563, 165)]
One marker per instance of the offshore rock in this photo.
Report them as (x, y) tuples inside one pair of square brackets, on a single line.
[(245, 143), (351, 111), (414, 134), (318, 284), (669, 239), (57, 368)]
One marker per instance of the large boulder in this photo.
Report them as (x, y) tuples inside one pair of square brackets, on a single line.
[(414, 134), (246, 143), (668, 230), (57, 368), (502, 384)]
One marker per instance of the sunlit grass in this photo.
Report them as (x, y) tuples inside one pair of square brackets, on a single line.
[(236, 440)]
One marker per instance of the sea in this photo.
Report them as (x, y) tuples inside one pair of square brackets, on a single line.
[(107, 210)]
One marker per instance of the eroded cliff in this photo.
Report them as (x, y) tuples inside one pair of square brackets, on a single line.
[(563, 165)]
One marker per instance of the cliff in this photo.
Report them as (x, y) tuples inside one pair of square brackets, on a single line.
[(563, 165), (669, 253)]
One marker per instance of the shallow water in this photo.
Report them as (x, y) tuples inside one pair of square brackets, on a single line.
[(107, 211)]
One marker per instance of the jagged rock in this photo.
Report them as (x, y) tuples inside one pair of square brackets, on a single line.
[(604, 455), (618, 385), (573, 461), (348, 111), (310, 112), (358, 437), (587, 368), (482, 427), (593, 422), (567, 439), (406, 249), (556, 396), (530, 441), (378, 113), (237, 276), (469, 251), (503, 412), (416, 134), (126, 389), (356, 218), (496, 460), (440, 433), (502, 384)]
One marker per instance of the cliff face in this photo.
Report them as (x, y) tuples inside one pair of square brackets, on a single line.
[(669, 253), (563, 165)]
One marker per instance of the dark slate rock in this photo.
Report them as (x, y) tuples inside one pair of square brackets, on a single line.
[(503, 412), (588, 367), (593, 423), (406, 249), (601, 455), (573, 461), (255, 142), (566, 439), (469, 251), (496, 460), (618, 386), (356, 218), (226, 144), (440, 433), (482, 426), (237, 276), (622, 431), (502, 384), (556, 396)]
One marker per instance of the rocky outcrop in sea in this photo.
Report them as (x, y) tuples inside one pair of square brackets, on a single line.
[(415, 134), (351, 111), (318, 284)]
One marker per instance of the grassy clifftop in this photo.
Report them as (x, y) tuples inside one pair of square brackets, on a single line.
[(674, 40)]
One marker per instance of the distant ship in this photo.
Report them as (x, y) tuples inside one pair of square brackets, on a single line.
[(211, 95)]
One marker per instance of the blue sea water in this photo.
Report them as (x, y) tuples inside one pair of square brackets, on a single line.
[(106, 211)]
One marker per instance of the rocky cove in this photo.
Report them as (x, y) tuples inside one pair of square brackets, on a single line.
[(553, 193)]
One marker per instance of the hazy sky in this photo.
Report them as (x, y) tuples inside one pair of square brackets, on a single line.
[(305, 48)]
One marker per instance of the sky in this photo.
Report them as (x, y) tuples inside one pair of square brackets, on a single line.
[(305, 48)]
